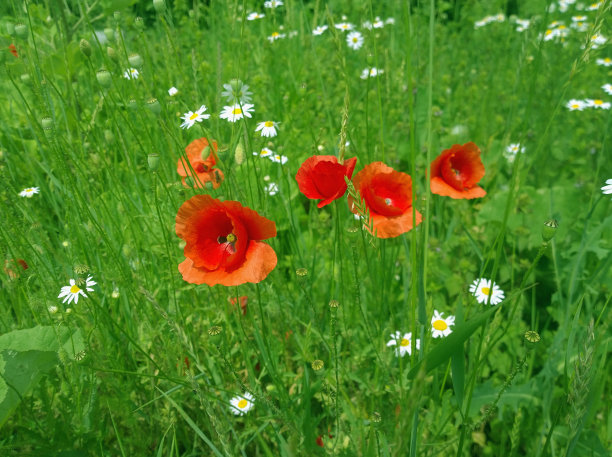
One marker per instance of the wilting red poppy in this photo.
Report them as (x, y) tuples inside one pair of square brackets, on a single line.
[(243, 303), (456, 171), (13, 50), (223, 242), (322, 178), (203, 167), (11, 267), (388, 196)]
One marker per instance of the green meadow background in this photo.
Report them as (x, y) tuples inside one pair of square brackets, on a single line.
[(147, 363)]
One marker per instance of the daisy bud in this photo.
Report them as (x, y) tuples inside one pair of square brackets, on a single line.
[(135, 60), (109, 138), (159, 5), (239, 155), (153, 161), (236, 84), (47, 123), (154, 106), (549, 230), (139, 23), (112, 54), (109, 33), (25, 78), (104, 78), (21, 30), (85, 47)]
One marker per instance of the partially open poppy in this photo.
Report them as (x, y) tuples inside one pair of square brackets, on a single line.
[(322, 178), (456, 171), (388, 196), (223, 242), (200, 170)]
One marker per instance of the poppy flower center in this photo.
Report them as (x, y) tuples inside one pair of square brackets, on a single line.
[(440, 325), (237, 111), (75, 289), (193, 116), (485, 290), (405, 342), (242, 403)]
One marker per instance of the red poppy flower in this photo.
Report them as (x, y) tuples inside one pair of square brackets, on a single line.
[(13, 50), (388, 196), (203, 167), (322, 178), (243, 303), (223, 242), (455, 172)]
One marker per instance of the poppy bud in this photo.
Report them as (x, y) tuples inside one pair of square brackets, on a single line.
[(205, 152), (21, 30), (112, 54), (109, 33), (317, 365), (189, 181), (139, 23), (208, 185), (85, 47), (104, 78), (25, 78), (47, 123), (10, 28), (159, 5), (109, 138), (239, 155), (135, 60), (549, 230), (153, 161), (154, 106)]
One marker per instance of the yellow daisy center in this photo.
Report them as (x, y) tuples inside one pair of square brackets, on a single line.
[(485, 290), (269, 124), (607, 60), (193, 116), (355, 40), (242, 403), (275, 34), (575, 105), (597, 102), (237, 111), (440, 325), (405, 342), (548, 32), (75, 289)]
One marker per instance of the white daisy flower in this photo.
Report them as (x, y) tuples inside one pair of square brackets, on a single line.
[(580, 26), (512, 150), (440, 327), (522, 24), (29, 192), (236, 112), (253, 16), (236, 92), (319, 29), (403, 344), (481, 288), (378, 23), (576, 105), (594, 6), (579, 18), (607, 88), (72, 292), (277, 158), (597, 104), (191, 118), (354, 40), (276, 36), (607, 189), (273, 4), (242, 404), (265, 152), (606, 62), (131, 73), (367, 25), (172, 91), (371, 72), (389, 21), (271, 188), (268, 128), (344, 26), (598, 40)]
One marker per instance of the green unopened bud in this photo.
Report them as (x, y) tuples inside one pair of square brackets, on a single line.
[(10, 28), (208, 185), (117, 15), (235, 84), (153, 161), (47, 123), (159, 5), (133, 105), (21, 30), (112, 54), (239, 155), (189, 181), (109, 33), (549, 230), (25, 78), (370, 60), (104, 78), (85, 47), (109, 138), (205, 153), (154, 106), (135, 60), (139, 23)]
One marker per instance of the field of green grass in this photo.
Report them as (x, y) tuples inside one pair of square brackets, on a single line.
[(305, 228)]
